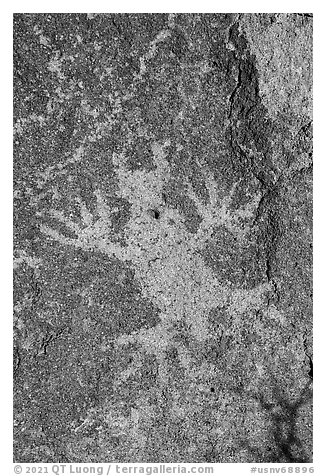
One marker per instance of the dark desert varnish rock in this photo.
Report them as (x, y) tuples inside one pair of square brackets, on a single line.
[(162, 236)]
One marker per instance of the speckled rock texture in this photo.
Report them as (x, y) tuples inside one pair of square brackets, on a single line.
[(162, 238)]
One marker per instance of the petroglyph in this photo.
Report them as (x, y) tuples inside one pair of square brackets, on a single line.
[(162, 236), (164, 254)]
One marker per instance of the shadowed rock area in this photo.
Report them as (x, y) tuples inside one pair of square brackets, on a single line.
[(163, 238)]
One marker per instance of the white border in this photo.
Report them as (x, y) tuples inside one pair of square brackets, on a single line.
[(167, 6), (318, 10)]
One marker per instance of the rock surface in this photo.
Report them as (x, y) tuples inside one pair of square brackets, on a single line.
[(162, 236)]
